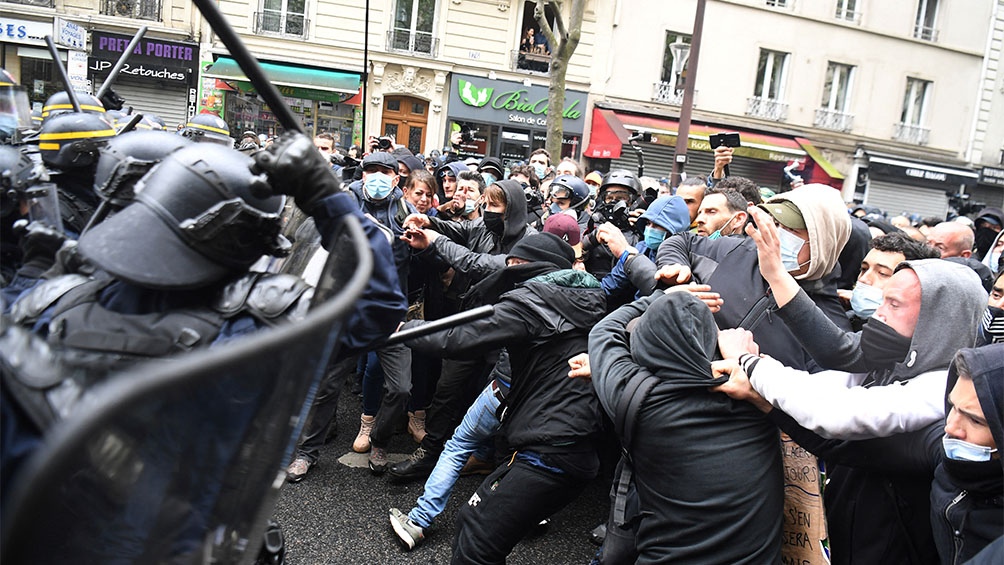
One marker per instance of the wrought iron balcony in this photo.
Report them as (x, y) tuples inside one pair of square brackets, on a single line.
[(834, 120), (36, 3), (532, 62), (417, 43), (911, 134), (283, 24), (136, 9), (766, 108), (666, 93), (925, 33)]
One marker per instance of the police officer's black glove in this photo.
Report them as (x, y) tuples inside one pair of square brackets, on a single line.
[(295, 167), (39, 244)]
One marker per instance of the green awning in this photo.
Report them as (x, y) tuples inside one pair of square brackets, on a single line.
[(817, 156), (302, 79)]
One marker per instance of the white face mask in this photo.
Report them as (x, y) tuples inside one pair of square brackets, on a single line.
[(791, 244), (865, 300), (959, 450)]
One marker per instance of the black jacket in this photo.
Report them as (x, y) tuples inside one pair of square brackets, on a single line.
[(543, 322), (741, 286)]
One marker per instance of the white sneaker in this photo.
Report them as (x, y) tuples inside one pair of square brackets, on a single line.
[(410, 533)]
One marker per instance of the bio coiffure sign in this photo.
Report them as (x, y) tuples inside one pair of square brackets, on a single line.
[(508, 102)]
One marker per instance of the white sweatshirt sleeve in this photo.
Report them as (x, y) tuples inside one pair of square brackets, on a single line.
[(834, 405)]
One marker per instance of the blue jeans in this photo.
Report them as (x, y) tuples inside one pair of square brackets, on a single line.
[(478, 425)]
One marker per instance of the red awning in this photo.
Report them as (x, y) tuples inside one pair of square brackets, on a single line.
[(356, 98), (607, 135), (822, 171)]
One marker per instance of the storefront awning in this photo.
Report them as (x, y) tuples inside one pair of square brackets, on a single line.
[(292, 80), (607, 136), (823, 172)]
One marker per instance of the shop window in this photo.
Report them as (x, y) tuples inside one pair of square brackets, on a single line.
[(927, 15), (833, 109), (534, 53), (768, 93), (669, 89), (39, 78), (910, 128), (404, 123), (412, 31), (136, 9), (286, 18), (847, 11)]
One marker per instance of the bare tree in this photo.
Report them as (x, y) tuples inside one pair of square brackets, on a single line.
[(563, 41)]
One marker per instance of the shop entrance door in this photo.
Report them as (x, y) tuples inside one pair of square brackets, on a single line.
[(405, 118)]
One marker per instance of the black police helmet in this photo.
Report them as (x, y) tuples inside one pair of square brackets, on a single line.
[(208, 127), (72, 141), (59, 103), (622, 177), (577, 189), (17, 173), (129, 156), (196, 220)]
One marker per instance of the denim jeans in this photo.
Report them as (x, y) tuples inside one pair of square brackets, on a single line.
[(478, 425)]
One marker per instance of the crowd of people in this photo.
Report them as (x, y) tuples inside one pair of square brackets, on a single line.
[(668, 334)]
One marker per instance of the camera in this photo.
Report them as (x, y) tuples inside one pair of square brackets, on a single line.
[(614, 212), (385, 143), (726, 139)]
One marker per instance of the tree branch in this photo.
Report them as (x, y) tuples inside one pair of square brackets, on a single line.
[(540, 15)]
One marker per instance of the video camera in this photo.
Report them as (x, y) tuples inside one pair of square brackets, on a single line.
[(615, 212)]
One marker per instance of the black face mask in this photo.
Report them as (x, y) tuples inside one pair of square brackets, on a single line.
[(984, 240), (992, 326), (494, 222), (882, 346)]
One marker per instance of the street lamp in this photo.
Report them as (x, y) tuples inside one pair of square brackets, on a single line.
[(691, 54), (681, 52)]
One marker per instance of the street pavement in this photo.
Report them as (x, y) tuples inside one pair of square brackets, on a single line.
[(339, 512)]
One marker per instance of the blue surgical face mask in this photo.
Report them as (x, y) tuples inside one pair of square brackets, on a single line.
[(964, 451), (554, 208), (489, 178), (718, 233), (791, 244), (378, 185), (593, 191), (865, 300), (469, 206), (539, 170), (654, 237)]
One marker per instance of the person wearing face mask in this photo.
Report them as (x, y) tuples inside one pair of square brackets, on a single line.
[(722, 212), (877, 267), (570, 195), (993, 257), (991, 328), (491, 170), (470, 185), (815, 226), (944, 481), (987, 227), (540, 160)]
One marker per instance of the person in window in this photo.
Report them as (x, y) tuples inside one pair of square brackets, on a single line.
[(528, 41)]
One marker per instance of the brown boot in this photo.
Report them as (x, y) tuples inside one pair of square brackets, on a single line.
[(416, 425), (362, 442)]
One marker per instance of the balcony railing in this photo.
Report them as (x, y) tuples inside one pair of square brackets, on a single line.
[(665, 93), (136, 9), (282, 24), (532, 62), (36, 3), (766, 108), (848, 15), (417, 43), (925, 33), (834, 120), (911, 134)]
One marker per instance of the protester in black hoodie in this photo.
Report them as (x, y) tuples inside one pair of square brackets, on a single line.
[(707, 468), (543, 312)]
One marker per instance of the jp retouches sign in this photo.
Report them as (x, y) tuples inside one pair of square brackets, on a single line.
[(502, 101), (151, 58)]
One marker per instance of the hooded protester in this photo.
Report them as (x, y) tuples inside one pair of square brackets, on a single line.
[(992, 259), (988, 227), (816, 227), (543, 312), (447, 176), (682, 442), (962, 452)]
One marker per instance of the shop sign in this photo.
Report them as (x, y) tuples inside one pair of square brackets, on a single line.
[(156, 59), (921, 174), (76, 70), (501, 101), (992, 176), (70, 34), (24, 31)]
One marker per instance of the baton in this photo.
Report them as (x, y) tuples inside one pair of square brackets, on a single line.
[(62, 73), (248, 64), (120, 63), (441, 324)]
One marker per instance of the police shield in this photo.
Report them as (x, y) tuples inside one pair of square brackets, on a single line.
[(181, 461)]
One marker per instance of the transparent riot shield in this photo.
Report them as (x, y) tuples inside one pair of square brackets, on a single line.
[(181, 461)]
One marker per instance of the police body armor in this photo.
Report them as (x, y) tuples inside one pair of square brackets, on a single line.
[(49, 377)]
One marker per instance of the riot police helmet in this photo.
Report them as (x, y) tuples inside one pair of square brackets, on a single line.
[(17, 173), (59, 103), (196, 220), (129, 156), (73, 140), (208, 127)]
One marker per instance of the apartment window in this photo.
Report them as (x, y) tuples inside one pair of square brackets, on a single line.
[(837, 88), (927, 15), (534, 53), (137, 9), (414, 22), (283, 17), (770, 75), (915, 101), (847, 10)]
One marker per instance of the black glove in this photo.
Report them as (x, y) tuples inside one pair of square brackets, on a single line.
[(295, 167)]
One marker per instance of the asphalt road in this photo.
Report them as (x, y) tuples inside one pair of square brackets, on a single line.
[(339, 512)]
